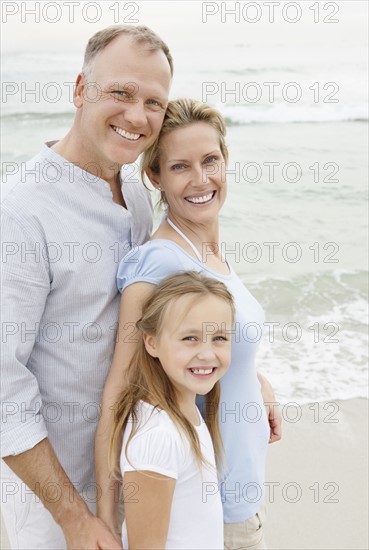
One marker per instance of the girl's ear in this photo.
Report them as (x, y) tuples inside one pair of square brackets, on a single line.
[(154, 178), (150, 345)]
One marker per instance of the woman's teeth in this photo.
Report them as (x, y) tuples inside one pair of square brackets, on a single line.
[(121, 132), (204, 198)]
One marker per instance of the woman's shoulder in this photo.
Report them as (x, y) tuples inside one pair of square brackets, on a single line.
[(150, 262), (153, 246)]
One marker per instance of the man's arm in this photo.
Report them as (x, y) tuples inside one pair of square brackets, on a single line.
[(40, 469), (272, 408), (25, 447)]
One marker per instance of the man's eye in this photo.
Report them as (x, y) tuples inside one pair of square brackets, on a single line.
[(121, 94)]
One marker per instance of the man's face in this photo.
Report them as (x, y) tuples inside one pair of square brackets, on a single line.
[(122, 106)]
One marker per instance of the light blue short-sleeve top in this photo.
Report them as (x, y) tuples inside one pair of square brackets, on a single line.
[(243, 422)]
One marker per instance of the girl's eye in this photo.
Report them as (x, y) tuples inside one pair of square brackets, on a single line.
[(221, 339)]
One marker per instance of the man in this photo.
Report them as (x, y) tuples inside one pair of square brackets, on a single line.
[(67, 222)]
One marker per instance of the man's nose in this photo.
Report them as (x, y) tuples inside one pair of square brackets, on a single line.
[(135, 114)]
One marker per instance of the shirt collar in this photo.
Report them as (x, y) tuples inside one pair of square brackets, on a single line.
[(73, 173)]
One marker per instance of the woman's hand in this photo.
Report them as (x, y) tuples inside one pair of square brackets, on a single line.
[(272, 409)]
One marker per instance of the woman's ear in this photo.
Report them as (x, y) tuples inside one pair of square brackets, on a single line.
[(150, 345), (153, 177)]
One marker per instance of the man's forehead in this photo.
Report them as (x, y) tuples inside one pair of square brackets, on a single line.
[(148, 69), (123, 51)]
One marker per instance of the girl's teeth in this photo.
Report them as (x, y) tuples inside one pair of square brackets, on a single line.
[(202, 371), (205, 198), (127, 135)]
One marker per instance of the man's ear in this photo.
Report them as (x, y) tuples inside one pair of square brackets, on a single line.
[(150, 345), (153, 177), (79, 90)]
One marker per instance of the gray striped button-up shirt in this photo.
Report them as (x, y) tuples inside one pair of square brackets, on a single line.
[(62, 240)]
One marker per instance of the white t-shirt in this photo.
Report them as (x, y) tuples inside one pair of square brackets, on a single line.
[(196, 518)]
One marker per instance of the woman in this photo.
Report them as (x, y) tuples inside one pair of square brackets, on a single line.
[(187, 164)]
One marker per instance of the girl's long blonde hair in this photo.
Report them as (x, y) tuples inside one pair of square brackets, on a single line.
[(146, 380)]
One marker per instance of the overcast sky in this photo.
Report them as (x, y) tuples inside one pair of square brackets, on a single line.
[(180, 22)]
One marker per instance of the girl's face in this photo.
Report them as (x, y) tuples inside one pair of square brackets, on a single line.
[(192, 173), (195, 349)]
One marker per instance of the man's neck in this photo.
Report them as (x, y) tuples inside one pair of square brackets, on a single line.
[(64, 147)]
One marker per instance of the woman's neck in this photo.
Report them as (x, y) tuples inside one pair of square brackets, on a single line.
[(205, 237)]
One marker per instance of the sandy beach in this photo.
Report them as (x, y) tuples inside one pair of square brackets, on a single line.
[(317, 479), (321, 467)]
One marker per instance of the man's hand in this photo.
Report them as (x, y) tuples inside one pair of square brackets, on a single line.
[(89, 533), (39, 467), (272, 408)]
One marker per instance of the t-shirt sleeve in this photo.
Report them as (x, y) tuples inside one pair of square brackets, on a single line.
[(149, 263), (155, 450)]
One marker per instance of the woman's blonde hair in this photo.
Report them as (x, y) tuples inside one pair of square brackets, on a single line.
[(146, 380), (179, 114)]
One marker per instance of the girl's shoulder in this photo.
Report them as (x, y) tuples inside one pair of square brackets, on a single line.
[(156, 444), (153, 417)]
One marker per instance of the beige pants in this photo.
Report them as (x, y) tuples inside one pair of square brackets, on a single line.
[(248, 534)]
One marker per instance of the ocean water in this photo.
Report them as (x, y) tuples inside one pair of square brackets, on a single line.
[(295, 222)]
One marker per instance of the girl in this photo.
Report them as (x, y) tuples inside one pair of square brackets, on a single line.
[(167, 458)]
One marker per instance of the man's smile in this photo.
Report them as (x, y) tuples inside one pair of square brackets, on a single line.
[(127, 135)]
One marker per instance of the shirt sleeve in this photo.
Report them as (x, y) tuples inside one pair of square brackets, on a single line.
[(149, 263), (156, 450), (25, 287)]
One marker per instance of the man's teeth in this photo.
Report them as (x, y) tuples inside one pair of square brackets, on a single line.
[(125, 134), (202, 371), (205, 198)]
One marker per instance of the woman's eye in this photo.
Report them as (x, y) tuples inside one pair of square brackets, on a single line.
[(221, 339), (190, 338), (212, 158), (178, 166)]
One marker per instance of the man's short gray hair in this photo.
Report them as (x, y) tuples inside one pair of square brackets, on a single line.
[(139, 34)]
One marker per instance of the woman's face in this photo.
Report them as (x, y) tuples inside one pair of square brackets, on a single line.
[(193, 173)]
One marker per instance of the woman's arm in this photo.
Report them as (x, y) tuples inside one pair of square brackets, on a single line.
[(147, 503), (272, 408), (126, 341)]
